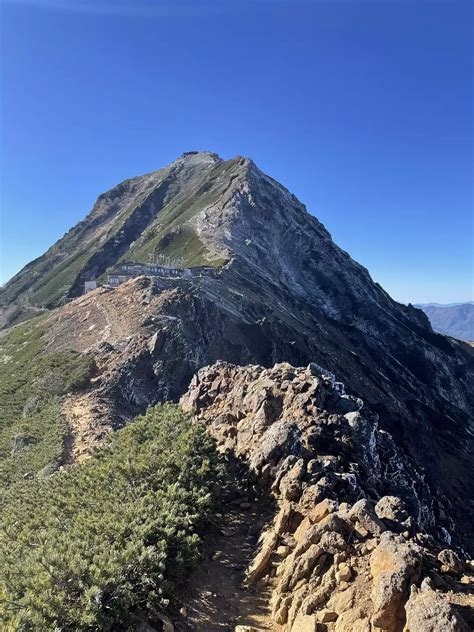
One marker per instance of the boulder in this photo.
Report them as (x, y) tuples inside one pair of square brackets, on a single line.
[(283, 551), (451, 562), (290, 484), (363, 512), (343, 573), (330, 524), (394, 565), (304, 623), (259, 565), (282, 438), (315, 515), (429, 611), (280, 611), (326, 615), (301, 567), (322, 509), (341, 601), (354, 620), (320, 593), (312, 494), (392, 509), (283, 518)]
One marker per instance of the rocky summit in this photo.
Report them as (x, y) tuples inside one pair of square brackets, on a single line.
[(256, 280)]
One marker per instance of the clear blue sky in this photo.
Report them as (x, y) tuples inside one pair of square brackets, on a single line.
[(362, 109)]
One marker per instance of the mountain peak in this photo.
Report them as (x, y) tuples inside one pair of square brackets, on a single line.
[(265, 283), (195, 156), (200, 154)]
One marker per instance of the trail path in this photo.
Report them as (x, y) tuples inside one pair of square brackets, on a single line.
[(88, 424), (215, 599)]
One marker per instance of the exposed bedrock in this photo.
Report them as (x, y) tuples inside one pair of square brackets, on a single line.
[(354, 544)]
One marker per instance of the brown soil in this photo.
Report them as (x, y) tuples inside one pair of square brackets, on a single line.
[(216, 600), (88, 425)]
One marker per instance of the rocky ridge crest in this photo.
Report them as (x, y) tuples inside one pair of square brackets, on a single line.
[(354, 544)]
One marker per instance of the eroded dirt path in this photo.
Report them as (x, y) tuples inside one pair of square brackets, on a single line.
[(87, 426), (216, 600)]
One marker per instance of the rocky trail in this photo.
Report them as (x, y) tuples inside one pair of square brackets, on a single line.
[(216, 598)]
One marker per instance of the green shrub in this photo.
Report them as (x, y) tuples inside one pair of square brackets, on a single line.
[(101, 545)]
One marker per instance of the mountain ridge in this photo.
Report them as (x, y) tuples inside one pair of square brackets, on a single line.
[(283, 292), (455, 319), (118, 217)]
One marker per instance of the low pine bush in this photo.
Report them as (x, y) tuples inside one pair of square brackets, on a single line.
[(102, 545)]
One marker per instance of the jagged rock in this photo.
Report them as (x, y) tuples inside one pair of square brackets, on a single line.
[(342, 601), (308, 559), (322, 509), (391, 508), (304, 623), (344, 573), (283, 518), (331, 532), (394, 566), (363, 513), (302, 568), (283, 551), (280, 440), (427, 611), (451, 562), (355, 620), (280, 614), (327, 616), (320, 594), (344, 508), (332, 524), (318, 513), (290, 485), (260, 562), (393, 513)]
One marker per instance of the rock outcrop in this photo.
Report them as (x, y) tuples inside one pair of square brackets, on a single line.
[(354, 544)]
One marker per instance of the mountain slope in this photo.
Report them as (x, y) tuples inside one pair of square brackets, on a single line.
[(452, 320), (135, 218), (284, 292)]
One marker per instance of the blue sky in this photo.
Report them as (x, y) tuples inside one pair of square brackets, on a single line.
[(362, 109)]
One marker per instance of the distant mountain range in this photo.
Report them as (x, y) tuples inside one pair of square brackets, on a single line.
[(455, 319)]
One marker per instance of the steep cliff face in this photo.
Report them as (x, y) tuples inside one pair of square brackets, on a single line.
[(283, 291)]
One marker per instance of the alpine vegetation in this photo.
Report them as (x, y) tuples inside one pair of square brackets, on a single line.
[(103, 545)]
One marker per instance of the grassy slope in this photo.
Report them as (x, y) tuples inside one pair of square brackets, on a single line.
[(47, 281), (32, 429), (172, 234)]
